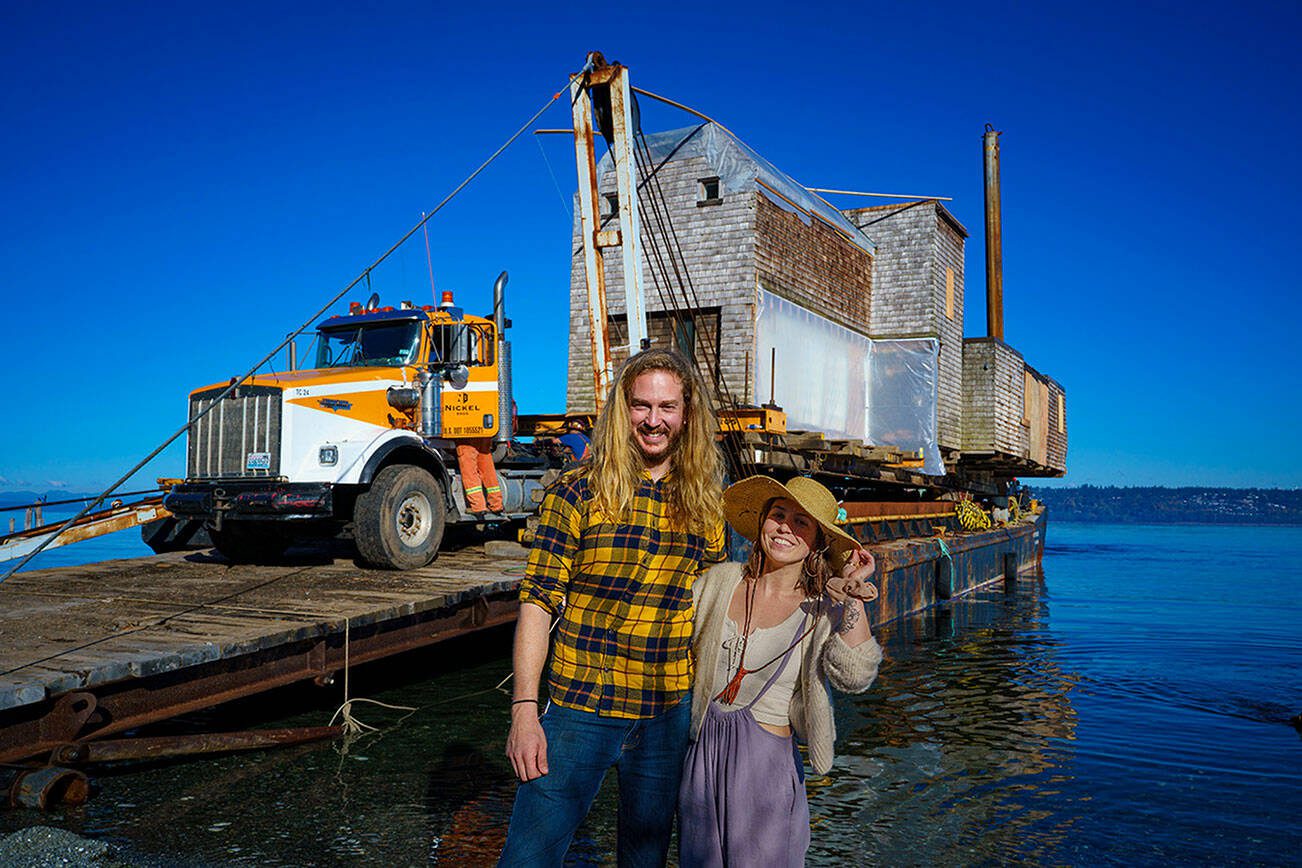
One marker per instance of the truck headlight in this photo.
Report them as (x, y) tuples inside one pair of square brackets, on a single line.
[(328, 456)]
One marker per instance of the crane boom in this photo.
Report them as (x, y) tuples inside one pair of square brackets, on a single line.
[(603, 92)]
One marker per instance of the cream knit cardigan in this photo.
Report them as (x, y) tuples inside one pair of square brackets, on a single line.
[(826, 659)]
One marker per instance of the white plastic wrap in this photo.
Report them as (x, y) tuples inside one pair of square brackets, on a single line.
[(846, 385), (903, 390), (821, 367)]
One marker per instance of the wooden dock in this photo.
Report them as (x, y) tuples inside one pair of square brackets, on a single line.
[(93, 650)]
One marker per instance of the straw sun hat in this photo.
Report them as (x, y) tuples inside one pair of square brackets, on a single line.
[(744, 501)]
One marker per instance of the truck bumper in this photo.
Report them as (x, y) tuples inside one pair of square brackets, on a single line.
[(216, 501)]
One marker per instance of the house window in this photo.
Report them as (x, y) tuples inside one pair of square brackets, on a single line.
[(696, 336), (685, 336), (1062, 415), (949, 292), (611, 203), (708, 192), (1028, 395)]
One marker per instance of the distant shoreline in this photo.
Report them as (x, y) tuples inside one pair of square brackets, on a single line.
[(1158, 505), (1054, 518)]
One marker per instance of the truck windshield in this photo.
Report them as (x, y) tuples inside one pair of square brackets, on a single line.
[(381, 344)]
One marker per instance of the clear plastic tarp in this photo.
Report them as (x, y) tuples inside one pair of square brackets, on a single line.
[(814, 368), (831, 379), (903, 391), (739, 167)]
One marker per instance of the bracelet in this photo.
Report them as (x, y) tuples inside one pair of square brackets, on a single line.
[(518, 701)]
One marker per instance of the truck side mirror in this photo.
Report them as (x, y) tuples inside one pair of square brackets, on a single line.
[(457, 376)]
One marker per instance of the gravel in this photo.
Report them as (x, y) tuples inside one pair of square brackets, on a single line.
[(47, 847)]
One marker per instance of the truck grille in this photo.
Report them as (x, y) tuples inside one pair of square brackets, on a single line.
[(242, 430)]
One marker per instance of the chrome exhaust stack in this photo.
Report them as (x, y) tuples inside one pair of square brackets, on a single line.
[(431, 405), (505, 398)]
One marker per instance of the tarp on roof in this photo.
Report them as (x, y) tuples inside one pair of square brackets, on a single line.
[(739, 167)]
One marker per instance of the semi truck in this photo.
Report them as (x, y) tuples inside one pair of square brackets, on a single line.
[(363, 443)]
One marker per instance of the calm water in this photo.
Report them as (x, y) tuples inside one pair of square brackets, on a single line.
[(1130, 706), (122, 544)]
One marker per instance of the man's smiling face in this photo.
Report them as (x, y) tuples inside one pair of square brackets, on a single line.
[(656, 411)]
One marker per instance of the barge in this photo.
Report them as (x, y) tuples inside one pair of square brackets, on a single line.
[(99, 650)]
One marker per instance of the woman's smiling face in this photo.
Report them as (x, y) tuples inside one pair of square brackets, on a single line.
[(788, 533)]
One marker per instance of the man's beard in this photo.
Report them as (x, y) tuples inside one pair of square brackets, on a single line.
[(672, 441)]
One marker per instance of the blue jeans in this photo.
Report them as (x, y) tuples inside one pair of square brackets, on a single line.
[(581, 748)]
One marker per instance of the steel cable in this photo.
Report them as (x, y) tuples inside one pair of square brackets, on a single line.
[(675, 311), (237, 382), (657, 207)]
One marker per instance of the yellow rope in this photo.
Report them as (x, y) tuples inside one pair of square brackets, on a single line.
[(971, 516)]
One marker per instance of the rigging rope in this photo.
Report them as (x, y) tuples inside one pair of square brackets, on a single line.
[(136, 628), (660, 229), (948, 556), (45, 503), (679, 315), (352, 726), (565, 206)]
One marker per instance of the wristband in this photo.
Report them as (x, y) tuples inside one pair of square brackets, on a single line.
[(518, 701)]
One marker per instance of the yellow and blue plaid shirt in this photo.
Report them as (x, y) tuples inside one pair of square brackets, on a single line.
[(623, 594)]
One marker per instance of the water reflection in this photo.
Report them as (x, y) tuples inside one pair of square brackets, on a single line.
[(958, 746), (469, 809)]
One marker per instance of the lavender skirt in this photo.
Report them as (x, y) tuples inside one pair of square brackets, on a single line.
[(742, 801)]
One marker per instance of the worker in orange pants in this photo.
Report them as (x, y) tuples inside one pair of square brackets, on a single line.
[(478, 476)]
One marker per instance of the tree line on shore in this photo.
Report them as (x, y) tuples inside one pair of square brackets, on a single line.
[(1161, 505)]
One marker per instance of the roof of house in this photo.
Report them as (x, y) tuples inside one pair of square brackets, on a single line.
[(740, 168)]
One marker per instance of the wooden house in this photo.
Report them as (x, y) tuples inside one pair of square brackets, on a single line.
[(852, 321)]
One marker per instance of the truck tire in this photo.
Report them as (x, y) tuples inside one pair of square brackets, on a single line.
[(250, 542), (399, 520)]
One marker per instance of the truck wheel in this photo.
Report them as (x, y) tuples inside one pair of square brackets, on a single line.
[(244, 542), (398, 521)]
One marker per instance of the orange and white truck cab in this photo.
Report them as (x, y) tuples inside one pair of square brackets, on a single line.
[(364, 441)]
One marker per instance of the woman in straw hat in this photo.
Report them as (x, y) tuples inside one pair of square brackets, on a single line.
[(770, 635)]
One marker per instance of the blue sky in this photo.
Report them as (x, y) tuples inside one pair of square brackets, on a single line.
[(183, 188)]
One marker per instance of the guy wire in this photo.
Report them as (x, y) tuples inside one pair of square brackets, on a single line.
[(655, 209), (664, 222), (236, 382)]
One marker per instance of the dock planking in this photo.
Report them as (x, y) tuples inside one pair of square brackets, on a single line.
[(193, 630)]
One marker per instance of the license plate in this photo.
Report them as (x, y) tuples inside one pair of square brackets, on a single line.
[(258, 461)]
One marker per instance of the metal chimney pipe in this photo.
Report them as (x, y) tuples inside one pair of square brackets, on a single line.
[(994, 237)]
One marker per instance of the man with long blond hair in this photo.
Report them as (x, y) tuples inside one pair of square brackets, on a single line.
[(619, 541)]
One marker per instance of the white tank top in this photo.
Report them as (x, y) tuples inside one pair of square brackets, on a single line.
[(764, 644)]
